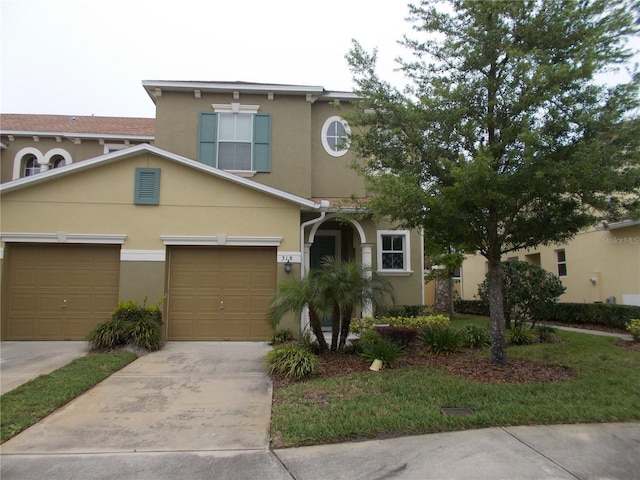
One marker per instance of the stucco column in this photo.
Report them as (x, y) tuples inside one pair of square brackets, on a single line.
[(367, 307), (307, 260)]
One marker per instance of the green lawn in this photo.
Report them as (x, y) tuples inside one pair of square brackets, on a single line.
[(408, 400), (29, 403)]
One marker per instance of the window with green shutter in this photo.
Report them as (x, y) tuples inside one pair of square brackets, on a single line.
[(147, 186), (235, 141)]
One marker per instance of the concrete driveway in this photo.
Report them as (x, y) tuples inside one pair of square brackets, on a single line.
[(24, 361), (195, 396)]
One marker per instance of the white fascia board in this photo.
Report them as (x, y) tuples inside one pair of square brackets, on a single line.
[(144, 147), (346, 96), (63, 237), (232, 87), (97, 136)]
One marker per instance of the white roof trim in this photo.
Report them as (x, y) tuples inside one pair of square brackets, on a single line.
[(146, 148), (245, 87), (44, 133)]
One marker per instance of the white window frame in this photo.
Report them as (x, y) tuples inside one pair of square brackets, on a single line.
[(236, 108), (406, 250), (325, 131), (563, 262)]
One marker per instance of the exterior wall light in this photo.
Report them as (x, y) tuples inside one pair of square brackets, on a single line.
[(287, 267)]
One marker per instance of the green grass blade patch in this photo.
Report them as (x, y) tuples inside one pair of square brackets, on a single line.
[(29, 403)]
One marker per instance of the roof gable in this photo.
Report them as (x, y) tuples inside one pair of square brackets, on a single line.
[(34, 180)]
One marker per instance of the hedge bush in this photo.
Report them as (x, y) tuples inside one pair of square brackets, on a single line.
[(359, 325), (404, 311), (403, 336), (609, 315), (471, 307)]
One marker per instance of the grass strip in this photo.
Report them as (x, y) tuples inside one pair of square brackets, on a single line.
[(409, 400), (34, 400)]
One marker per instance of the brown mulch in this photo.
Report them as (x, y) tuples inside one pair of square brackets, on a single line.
[(477, 369)]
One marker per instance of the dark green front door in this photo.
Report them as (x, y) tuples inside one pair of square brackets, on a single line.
[(323, 246)]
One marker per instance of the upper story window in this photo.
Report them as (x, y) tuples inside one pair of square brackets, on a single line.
[(335, 136), (31, 165), (235, 138), (58, 161), (393, 252)]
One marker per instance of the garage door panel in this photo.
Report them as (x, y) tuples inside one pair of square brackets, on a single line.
[(244, 279), (40, 277)]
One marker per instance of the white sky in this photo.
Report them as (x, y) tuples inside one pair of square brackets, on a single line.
[(86, 57)]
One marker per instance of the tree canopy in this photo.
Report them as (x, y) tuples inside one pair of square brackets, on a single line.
[(503, 138)]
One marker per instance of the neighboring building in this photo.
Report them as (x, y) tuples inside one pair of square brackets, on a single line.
[(37, 143), (240, 190), (600, 265)]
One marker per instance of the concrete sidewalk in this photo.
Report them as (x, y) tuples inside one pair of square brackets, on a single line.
[(596, 451)]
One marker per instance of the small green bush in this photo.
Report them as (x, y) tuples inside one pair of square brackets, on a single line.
[(281, 336), (310, 343), (442, 340), (404, 311), (634, 329), (108, 335), (359, 325), (520, 334), (471, 307), (384, 349), (545, 333), (129, 324), (474, 336), (292, 361)]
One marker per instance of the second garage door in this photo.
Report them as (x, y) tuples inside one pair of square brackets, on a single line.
[(220, 293)]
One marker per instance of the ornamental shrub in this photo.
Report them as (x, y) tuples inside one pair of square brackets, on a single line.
[(281, 336), (403, 336), (130, 323), (520, 334), (475, 336), (634, 329), (442, 340), (292, 361), (383, 349), (526, 288), (360, 325)]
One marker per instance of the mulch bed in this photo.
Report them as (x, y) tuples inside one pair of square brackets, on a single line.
[(473, 368)]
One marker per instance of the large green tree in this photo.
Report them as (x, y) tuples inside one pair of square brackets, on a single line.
[(504, 138)]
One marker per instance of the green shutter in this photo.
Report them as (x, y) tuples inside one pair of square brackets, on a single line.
[(262, 143), (147, 186), (208, 132)]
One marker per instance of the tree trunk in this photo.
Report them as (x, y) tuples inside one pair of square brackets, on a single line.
[(496, 312), (316, 328), (335, 329), (452, 292), (346, 322)]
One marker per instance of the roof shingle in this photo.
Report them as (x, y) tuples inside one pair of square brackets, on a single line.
[(15, 122)]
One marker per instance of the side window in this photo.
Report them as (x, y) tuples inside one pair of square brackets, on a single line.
[(561, 258), (393, 251)]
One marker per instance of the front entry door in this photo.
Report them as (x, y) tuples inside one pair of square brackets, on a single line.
[(323, 246)]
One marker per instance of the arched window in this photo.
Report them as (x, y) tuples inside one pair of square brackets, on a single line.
[(57, 161), (31, 166)]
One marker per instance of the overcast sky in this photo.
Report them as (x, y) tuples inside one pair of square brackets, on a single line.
[(84, 57), (88, 57)]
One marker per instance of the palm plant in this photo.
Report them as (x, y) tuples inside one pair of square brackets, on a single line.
[(349, 285), (296, 294)]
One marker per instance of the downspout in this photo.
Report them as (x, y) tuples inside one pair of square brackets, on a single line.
[(324, 204)]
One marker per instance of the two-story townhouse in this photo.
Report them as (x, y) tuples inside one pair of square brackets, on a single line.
[(243, 188)]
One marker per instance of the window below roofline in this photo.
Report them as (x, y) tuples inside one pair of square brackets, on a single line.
[(393, 252), (335, 136)]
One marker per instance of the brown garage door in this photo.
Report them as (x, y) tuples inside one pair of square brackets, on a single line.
[(220, 293), (58, 292)]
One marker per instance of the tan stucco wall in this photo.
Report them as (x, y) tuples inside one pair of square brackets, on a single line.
[(142, 281), (611, 257), (100, 200), (177, 117), (332, 177)]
